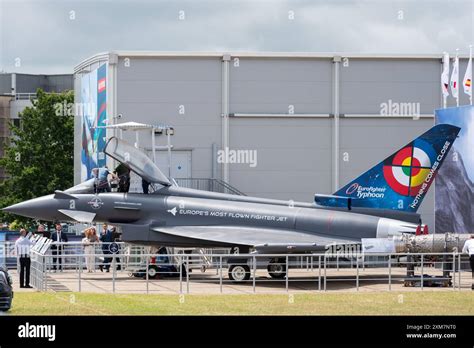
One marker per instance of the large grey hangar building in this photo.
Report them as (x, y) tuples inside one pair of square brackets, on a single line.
[(310, 122)]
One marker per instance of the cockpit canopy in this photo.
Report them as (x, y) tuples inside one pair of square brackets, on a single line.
[(133, 159), (136, 160)]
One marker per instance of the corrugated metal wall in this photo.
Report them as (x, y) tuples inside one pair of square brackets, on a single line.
[(295, 154), (183, 92)]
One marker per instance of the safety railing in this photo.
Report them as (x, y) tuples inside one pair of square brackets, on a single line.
[(201, 258), (250, 273), (7, 254), (25, 96), (208, 184), (204, 184)]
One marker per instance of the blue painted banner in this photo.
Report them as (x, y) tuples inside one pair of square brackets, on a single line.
[(101, 113), (94, 114), (454, 188)]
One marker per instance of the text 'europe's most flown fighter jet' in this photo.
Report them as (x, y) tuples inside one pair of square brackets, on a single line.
[(379, 203)]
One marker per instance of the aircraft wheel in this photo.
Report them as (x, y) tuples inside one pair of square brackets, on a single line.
[(239, 273), (277, 268), (152, 271)]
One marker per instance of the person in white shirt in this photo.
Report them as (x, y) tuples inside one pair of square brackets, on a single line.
[(22, 247), (89, 242), (468, 248)]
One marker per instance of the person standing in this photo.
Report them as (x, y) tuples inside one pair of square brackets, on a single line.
[(43, 232), (468, 248), (116, 238), (22, 247), (145, 186), (89, 242), (102, 178), (106, 237), (124, 182), (57, 247), (114, 182)]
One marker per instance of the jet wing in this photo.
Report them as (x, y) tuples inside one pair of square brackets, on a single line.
[(263, 239)]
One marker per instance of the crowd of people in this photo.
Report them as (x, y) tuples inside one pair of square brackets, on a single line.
[(94, 246)]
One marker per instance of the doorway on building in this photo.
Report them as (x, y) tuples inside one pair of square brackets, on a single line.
[(181, 161)]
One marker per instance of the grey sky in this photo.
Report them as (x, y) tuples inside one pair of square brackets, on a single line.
[(44, 38)]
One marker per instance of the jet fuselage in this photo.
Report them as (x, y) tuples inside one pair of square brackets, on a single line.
[(144, 216)]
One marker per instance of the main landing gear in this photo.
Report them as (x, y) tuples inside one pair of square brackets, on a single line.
[(239, 269), (277, 268)]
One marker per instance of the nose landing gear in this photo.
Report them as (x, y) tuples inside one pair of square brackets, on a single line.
[(239, 273)]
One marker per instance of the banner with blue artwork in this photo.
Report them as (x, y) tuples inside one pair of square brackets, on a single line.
[(454, 188), (101, 113), (94, 114)]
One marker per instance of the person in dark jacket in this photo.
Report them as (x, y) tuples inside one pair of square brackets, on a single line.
[(106, 237), (145, 186), (57, 248), (124, 178), (43, 232), (116, 238)]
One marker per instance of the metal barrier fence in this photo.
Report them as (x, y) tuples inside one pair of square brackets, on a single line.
[(155, 273), (7, 254), (70, 250), (208, 184)]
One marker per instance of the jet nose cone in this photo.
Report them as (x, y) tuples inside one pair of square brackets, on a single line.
[(19, 208), (38, 208)]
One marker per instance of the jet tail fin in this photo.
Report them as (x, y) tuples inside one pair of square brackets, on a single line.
[(402, 180)]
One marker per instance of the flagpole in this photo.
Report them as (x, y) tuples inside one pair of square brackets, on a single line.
[(457, 77), (470, 58), (445, 75), (445, 97)]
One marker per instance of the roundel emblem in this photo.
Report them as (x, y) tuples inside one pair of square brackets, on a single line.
[(114, 248), (408, 168), (95, 202)]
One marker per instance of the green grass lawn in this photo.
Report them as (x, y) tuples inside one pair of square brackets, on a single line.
[(409, 303)]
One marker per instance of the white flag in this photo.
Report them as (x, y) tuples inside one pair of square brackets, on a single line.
[(455, 79), (467, 81), (445, 75)]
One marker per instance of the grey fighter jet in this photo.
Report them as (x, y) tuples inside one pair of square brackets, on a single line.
[(380, 203)]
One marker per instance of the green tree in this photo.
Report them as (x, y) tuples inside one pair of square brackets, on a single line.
[(39, 157)]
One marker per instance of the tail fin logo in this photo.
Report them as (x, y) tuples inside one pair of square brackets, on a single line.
[(402, 180), (353, 188), (407, 169)]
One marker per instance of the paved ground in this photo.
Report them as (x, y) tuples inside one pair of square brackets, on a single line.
[(300, 281)]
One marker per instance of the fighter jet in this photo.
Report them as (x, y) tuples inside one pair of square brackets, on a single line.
[(380, 203)]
